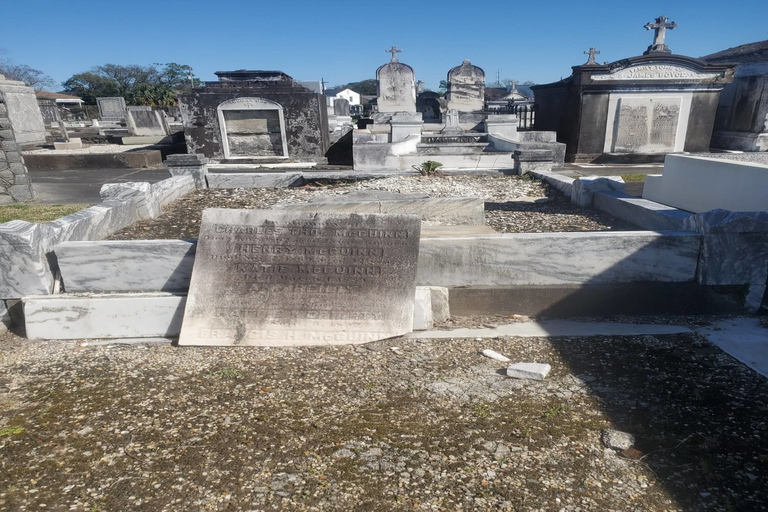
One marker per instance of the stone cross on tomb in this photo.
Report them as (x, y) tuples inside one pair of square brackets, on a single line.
[(394, 51), (591, 52), (513, 85), (660, 28)]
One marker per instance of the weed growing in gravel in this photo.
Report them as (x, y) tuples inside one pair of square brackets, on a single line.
[(9, 431), (226, 374), (482, 410), (429, 168)]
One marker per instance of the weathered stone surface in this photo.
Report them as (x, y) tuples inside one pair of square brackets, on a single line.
[(5, 317), (68, 317), (466, 88), (247, 114), (192, 165), (93, 223), (111, 108), (422, 310), (534, 371), (149, 199), (734, 247), (369, 195), (572, 258), (641, 212), (23, 112), (584, 188), (254, 180), (445, 210), (23, 266), (292, 278), (396, 87), (142, 122), (126, 265)]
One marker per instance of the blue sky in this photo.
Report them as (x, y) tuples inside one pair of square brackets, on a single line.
[(345, 41)]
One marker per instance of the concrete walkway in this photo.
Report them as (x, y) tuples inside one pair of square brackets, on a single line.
[(741, 337)]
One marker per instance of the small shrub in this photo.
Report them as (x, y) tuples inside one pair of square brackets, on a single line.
[(429, 168)]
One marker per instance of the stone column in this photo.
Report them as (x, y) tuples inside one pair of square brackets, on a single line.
[(189, 165), (15, 184)]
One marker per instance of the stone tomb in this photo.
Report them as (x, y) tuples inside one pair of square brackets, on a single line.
[(270, 278)]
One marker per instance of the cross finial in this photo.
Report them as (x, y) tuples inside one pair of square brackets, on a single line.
[(513, 85), (660, 29), (394, 51), (591, 52)]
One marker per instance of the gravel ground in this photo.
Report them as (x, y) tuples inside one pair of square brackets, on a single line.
[(512, 204), (394, 425), (399, 424)]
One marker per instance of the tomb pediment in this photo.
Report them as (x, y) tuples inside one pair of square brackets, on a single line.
[(657, 72)]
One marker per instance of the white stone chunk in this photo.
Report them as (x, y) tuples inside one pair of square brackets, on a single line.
[(69, 317), (617, 440), (492, 354), (534, 371), (422, 310)]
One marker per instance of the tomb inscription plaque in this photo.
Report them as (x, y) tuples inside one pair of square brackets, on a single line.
[(269, 278)]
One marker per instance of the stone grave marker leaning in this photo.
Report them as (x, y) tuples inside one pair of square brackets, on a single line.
[(270, 278)]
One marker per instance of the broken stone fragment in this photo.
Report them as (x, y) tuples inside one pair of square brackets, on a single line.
[(617, 440), (535, 371), (494, 355)]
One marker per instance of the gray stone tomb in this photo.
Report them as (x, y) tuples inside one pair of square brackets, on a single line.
[(271, 278)]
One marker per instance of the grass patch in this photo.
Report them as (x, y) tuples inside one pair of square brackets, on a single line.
[(38, 212), (638, 176)]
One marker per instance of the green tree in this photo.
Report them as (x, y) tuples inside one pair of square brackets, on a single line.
[(443, 86), (140, 85), (366, 87)]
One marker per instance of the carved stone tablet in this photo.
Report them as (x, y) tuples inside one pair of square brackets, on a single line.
[(292, 278)]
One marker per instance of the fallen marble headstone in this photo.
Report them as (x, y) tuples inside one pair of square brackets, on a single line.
[(535, 371)]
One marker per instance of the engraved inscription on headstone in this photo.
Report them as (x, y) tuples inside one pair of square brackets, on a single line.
[(111, 108), (288, 278), (646, 125)]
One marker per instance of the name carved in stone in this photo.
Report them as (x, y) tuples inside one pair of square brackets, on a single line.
[(656, 72)]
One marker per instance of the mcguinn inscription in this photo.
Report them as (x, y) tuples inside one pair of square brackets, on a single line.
[(295, 278)]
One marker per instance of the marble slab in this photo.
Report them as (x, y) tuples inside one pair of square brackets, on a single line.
[(126, 265), (24, 268), (558, 258), (68, 317), (734, 248), (445, 210), (254, 180), (699, 184), (265, 277)]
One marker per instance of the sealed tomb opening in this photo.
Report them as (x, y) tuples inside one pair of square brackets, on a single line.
[(252, 128)]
